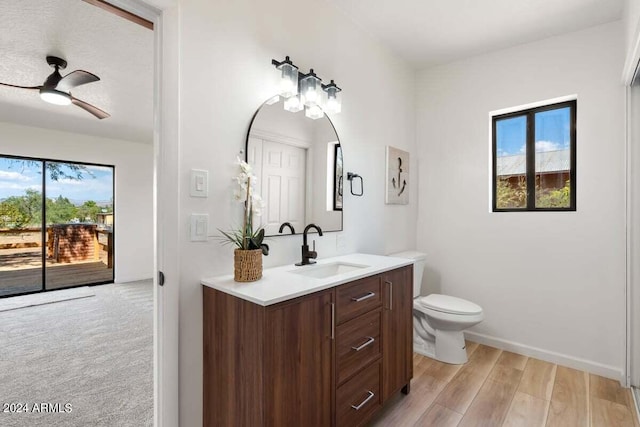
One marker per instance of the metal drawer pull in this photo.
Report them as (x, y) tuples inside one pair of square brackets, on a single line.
[(369, 341), (390, 283), (333, 321), (364, 297), (364, 402)]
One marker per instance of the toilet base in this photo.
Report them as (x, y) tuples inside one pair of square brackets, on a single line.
[(450, 347), (423, 347)]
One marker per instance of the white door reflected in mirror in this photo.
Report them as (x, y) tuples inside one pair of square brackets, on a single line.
[(298, 162)]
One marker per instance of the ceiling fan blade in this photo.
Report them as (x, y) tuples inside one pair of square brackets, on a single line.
[(21, 87), (90, 108), (75, 79)]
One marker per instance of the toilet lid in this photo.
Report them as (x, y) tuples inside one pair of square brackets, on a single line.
[(449, 304)]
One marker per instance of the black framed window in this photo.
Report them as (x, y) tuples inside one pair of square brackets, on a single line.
[(534, 159)]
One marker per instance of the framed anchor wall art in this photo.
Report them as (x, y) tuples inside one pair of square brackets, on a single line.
[(397, 182)]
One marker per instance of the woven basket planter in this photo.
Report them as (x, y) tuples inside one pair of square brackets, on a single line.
[(247, 265)]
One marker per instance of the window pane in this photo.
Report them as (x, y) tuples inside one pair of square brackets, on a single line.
[(553, 158), (20, 226), (511, 163), (79, 217)]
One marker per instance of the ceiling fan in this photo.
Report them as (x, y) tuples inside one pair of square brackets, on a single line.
[(56, 88)]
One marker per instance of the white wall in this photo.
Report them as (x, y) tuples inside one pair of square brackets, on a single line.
[(631, 17), (134, 185), (225, 74), (551, 284)]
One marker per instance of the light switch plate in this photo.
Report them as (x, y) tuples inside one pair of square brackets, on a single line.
[(199, 227), (199, 183)]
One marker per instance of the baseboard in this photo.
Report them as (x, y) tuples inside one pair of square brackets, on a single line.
[(548, 356), (132, 279)]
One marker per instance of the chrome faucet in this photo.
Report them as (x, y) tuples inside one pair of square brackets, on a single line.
[(287, 224), (308, 255)]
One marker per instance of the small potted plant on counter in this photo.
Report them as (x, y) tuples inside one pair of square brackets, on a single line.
[(248, 241)]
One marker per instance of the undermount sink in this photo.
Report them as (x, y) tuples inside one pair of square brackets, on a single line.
[(327, 270)]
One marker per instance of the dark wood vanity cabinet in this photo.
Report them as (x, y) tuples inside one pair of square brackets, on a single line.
[(397, 321), (331, 358), (298, 362)]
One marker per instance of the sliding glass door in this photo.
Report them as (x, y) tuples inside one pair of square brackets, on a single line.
[(56, 225), (21, 252)]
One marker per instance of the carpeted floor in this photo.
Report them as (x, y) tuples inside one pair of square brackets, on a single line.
[(41, 298), (94, 354)]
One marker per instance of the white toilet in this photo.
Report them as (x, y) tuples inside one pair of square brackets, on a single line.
[(439, 320)]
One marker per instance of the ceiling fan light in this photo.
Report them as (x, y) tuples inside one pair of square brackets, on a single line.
[(55, 97)]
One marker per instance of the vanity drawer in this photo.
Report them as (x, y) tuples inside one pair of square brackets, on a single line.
[(359, 397), (357, 344), (359, 297)]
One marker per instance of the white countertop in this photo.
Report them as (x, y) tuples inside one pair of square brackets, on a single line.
[(282, 283)]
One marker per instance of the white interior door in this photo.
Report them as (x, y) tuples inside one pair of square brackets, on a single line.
[(283, 186)]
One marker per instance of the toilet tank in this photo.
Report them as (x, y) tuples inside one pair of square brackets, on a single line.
[(419, 260)]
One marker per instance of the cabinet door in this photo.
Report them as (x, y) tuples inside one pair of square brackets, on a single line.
[(298, 362), (397, 330)]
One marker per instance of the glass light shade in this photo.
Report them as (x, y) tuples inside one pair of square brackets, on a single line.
[(293, 104), (311, 89), (314, 112), (333, 103), (56, 97), (288, 80)]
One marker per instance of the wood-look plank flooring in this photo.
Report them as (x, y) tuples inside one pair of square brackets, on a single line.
[(500, 388)]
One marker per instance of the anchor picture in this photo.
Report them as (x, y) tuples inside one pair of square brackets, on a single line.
[(397, 183)]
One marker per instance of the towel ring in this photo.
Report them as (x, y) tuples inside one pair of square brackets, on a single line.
[(351, 177)]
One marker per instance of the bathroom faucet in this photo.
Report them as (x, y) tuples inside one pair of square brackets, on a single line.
[(287, 224), (308, 255)]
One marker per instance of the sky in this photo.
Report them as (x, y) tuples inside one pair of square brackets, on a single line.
[(551, 132), (16, 176)]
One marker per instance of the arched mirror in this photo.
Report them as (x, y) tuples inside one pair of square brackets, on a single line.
[(298, 162)]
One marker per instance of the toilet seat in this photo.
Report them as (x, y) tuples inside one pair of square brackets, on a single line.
[(447, 304)]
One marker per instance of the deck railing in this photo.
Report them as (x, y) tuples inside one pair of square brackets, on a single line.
[(66, 243)]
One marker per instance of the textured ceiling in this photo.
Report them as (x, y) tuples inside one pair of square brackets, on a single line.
[(432, 32), (118, 51)]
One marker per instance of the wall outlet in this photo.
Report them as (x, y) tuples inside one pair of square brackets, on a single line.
[(199, 227), (341, 242)]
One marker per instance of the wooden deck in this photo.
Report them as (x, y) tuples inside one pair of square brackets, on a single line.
[(20, 272)]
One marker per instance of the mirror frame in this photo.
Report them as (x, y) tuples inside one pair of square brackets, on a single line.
[(341, 210)]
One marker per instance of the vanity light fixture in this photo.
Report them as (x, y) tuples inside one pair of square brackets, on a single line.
[(289, 78), (311, 89), (333, 103), (314, 112), (305, 91), (293, 104)]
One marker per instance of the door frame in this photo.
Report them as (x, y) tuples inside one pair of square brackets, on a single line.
[(166, 149), (631, 69)]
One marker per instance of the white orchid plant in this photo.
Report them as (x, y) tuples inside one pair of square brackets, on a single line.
[(246, 238)]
